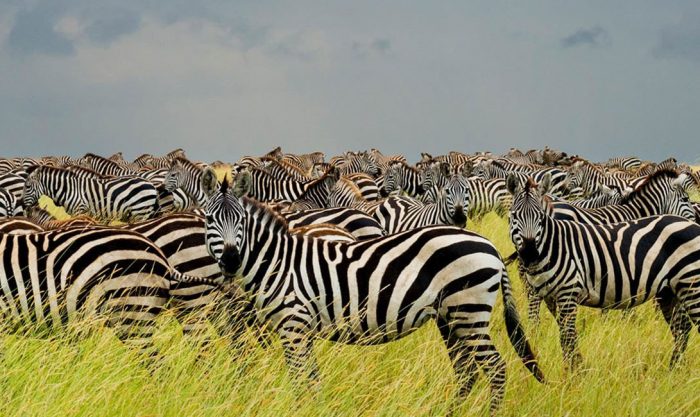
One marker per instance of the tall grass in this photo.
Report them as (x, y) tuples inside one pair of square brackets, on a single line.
[(76, 373)]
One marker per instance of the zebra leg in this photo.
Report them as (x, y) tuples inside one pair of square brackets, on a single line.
[(566, 319), (679, 322), (299, 352), (533, 300), (469, 346)]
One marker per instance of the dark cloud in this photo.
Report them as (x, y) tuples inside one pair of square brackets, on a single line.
[(110, 25), (33, 33), (594, 37), (377, 46), (681, 41)]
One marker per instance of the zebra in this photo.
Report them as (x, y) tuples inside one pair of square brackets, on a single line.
[(603, 197), (398, 214), (105, 166), (14, 183), (620, 265), (316, 195), (57, 276), (591, 178), (346, 193), (629, 163), (8, 205), (357, 223), (499, 168), (488, 195), (661, 193), (372, 292), (127, 198), (186, 176), (400, 176), (284, 170), (304, 162), (266, 188)]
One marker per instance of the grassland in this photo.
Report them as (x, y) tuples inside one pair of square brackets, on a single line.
[(77, 373)]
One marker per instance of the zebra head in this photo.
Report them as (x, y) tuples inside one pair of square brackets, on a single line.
[(33, 189), (435, 174), (678, 199), (457, 195), (175, 176), (480, 170), (527, 215), (225, 219), (392, 178)]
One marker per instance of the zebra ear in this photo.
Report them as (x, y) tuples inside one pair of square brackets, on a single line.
[(513, 184), (242, 184), (545, 185), (680, 182), (209, 181)]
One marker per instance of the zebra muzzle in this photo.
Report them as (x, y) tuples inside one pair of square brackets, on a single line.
[(230, 261), (528, 251), (459, 218)]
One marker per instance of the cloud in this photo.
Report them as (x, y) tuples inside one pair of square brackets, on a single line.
[(680, 41), (110, 25), (377, 46), (595, 36), (34, 32)]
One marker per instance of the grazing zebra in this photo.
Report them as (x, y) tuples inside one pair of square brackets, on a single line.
[(488, 195), (371, 292), (127, 198), (54, 277), (620, 265), (398, 214), (359, 224)]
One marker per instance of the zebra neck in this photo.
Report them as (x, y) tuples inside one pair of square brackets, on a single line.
[(266, 239)]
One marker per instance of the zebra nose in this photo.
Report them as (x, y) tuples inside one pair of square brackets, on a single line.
[(230, 260), (528, 251)]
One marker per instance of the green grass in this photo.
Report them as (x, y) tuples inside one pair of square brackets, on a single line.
[(69, 373)]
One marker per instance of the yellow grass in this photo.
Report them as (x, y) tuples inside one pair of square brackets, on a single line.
[(625, 372)]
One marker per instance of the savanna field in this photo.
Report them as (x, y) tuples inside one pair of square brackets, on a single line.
[(85, 370)]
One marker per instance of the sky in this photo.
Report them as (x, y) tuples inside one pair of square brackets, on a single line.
[(223, 79)]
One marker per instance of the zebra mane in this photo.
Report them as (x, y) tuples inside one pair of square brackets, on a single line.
[(185, 162), (264, 213), (46, 168), (666, 173)]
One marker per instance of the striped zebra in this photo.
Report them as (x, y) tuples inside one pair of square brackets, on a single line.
[(400, 176), (603, 197), (499, 168), (105, 166), (266, 188), (399, 214), (186, 176), (487, 196), (371, 292), (55, 277), (316, 195), (629, 163), (620, 265), (661, 193), (127, 198), (591, 178), (9, 206), (346, 193), (14, 183), (304, 162), (356, 222)]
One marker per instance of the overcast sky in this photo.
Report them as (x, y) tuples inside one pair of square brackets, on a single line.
[(228, 78)]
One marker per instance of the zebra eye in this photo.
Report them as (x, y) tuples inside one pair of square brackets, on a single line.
[(209, 217)]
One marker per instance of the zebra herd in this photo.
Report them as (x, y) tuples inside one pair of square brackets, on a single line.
[(363, 248)]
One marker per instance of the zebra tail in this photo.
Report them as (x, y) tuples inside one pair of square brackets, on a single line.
[(515, 330), (181, 278)]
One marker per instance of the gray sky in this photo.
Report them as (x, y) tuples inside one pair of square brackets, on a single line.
[(227, 78)]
